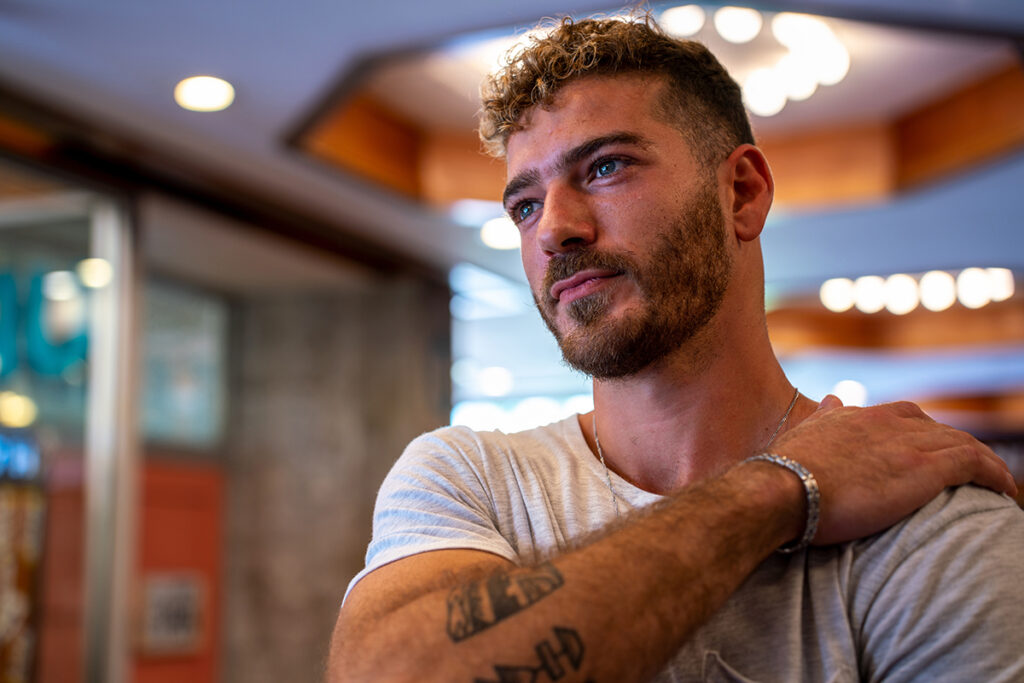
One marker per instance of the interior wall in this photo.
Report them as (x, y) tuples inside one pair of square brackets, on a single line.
[(327, 389)]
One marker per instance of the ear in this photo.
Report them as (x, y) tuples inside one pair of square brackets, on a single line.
[(750, 190)]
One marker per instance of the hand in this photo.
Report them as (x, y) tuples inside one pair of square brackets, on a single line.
[(877, 465)]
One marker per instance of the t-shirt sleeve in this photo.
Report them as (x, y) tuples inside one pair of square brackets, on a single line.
[(435, 498), (943, 593)]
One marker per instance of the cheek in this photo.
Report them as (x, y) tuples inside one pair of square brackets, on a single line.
[(534, 265)]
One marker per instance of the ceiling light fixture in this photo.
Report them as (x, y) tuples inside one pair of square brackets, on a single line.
[(204, 93), (500, 233), (738, 24), (938, 290), (683, 21)]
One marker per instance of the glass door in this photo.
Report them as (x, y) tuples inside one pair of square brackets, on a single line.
[(65, 466)]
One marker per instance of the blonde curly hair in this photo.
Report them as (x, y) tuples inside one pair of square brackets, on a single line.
[(701, 99)]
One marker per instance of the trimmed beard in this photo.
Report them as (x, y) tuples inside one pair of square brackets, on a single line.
[(682, 284)]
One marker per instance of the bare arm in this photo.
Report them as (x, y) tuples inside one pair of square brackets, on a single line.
[(618, 608)]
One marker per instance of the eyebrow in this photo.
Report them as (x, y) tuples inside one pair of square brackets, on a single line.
[(571, 158)]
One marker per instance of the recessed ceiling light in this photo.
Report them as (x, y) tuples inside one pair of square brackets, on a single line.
[(204, 93)]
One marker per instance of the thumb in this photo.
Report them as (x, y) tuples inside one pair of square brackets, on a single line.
[(828, 403)]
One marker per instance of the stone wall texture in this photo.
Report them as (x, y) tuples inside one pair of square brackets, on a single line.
[(326, 390)]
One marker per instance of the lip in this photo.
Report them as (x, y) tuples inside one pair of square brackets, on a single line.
[(581, 284)]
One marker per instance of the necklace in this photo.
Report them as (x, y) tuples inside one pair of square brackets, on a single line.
[(608, 474)]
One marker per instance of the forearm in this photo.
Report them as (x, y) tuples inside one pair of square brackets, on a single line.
[(615, 609)]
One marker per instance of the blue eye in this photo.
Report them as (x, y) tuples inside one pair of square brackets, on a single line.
[(523, 210), (606, 167)]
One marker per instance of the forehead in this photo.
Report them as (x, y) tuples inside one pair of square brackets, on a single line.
[(584, 109)]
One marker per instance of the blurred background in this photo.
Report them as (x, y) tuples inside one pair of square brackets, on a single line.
[(226, 304)]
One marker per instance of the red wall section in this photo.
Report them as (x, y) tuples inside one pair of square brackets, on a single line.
[(180, 532)]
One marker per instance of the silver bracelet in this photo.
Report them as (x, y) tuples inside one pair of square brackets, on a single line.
[(813, 498)]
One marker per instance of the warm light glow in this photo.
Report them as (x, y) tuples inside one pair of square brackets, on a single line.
[(495, 381), (683, 21), (833, 62), (851, 392), (938, 290), (837, 294), (94, 273), (763, 93), (204, 93), (869, 294), (800, 31), (60, 285), (738, 24), (973, 288), (797, 76), (901, 294), (1001, 282), (16, 410), (500, 233), (811, 40)]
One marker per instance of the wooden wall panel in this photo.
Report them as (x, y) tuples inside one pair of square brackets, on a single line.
[(974, 124), (839, 166), (454, 167), (371, 140)]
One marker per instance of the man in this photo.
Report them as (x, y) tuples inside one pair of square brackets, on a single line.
[(639, 541)]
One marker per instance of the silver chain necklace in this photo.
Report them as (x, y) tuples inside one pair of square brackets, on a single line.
[(608, 474)]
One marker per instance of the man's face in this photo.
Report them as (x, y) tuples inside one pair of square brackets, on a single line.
[(622, 230)]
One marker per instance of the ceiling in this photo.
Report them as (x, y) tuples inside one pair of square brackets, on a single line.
[(113, 65)]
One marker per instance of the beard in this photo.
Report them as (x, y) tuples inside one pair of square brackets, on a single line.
[(681, 282)]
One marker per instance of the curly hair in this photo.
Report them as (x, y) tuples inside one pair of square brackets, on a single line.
[(701, 99)]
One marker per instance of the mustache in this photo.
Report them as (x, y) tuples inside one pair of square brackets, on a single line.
[(563, 266)]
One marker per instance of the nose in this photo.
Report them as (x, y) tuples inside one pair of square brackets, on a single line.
[(567, 221)]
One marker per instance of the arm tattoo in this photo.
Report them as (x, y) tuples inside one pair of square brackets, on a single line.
[(551, 661), (478, 605)]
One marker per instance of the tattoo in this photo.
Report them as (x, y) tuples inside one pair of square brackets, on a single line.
[(482, 604), (551, 661)]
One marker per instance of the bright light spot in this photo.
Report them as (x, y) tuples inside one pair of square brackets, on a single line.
[(869, 294), (763, 93), (683, 21), (901, 294), (973, 288), (817, 46), (204, 93), (533, 412), (797, 76), (938, 290), (500, 233), (479, 415), (738, 24), (17, 410), (60, 285), (837, 294), (833, 62), (800, 31), (495, 381), (1001, 281), (580, 403), (95, 273), (851, 392)]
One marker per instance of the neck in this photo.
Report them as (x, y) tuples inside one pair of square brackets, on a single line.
[(693, 415)]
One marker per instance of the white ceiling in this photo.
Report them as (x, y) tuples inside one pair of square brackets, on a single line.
[(113, 65)]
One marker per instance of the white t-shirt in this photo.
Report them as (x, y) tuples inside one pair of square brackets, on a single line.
[(939, 596)]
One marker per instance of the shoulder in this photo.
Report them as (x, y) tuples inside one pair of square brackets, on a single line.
[(462, 448), (940, 590)]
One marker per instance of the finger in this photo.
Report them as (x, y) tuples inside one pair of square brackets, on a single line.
[(976, 463), (905, 409), (828, 403)]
